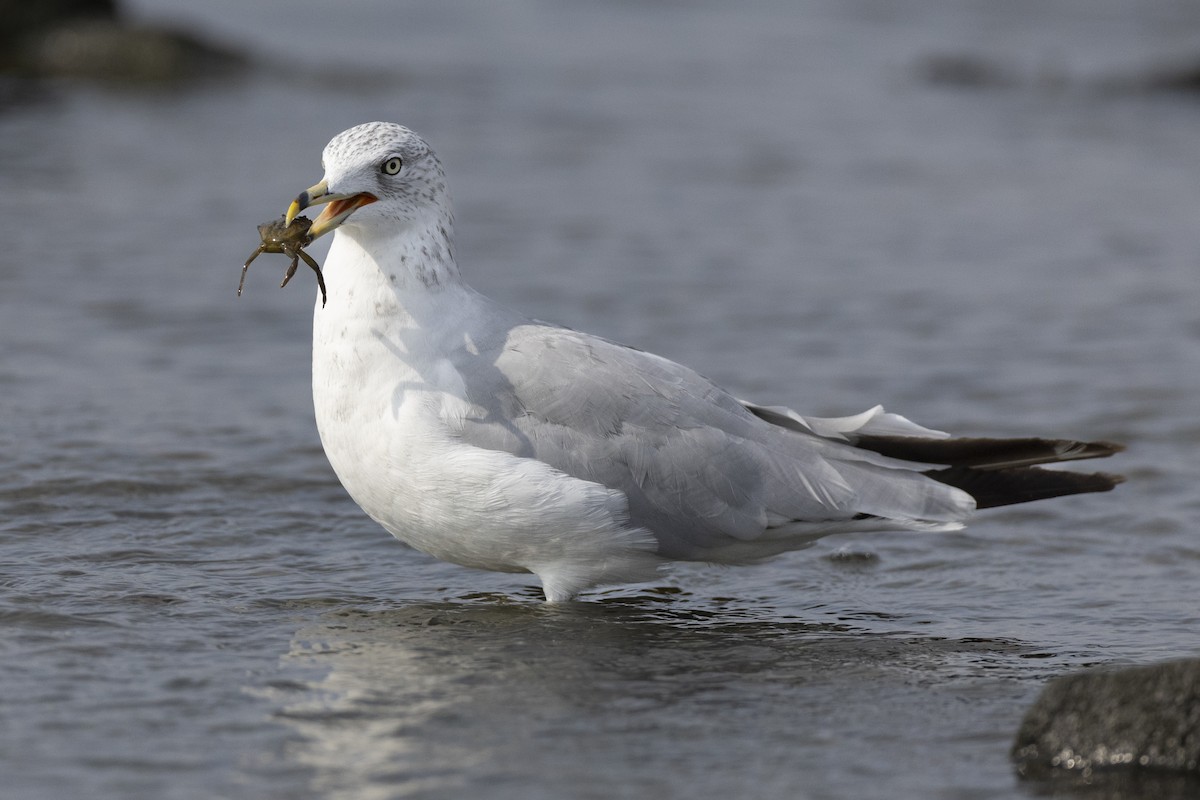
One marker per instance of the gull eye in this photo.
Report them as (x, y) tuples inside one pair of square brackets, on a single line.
[(392, 165)]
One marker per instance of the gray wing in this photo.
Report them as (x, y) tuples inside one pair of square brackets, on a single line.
[(699, 470)]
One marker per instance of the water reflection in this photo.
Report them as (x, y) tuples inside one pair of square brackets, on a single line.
[(520, 698), (1116, 785)]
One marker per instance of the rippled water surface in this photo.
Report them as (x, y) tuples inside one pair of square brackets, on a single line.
[(777, 194)]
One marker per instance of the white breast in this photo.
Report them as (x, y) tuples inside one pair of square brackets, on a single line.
[(385, 394)]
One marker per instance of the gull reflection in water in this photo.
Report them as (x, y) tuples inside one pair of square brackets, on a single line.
[(521, 699)]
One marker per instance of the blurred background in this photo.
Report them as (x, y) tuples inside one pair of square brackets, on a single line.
[(982, 215)]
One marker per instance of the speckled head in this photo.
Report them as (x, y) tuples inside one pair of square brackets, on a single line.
[(351, 145), (378, 174)]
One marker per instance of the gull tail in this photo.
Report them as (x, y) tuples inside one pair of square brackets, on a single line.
[(1001, 472)]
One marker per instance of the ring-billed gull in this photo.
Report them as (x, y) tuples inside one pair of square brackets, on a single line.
[(494, 441)]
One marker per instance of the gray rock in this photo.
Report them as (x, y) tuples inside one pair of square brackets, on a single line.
[(1135, 720)]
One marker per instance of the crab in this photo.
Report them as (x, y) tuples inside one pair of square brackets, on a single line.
[(289, 239)]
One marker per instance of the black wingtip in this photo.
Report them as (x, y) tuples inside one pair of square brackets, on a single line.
[(1004, 487), (986, 454)]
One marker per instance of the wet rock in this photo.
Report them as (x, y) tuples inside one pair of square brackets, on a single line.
[(964, 71), (116, 53), (26, 22), (23, 18), (972, 72), (87, 39), (1141, 720), (1181, 77)]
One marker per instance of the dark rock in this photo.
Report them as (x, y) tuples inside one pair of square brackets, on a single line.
[(1136, 720), (1183, 77), (112, 52), (24, 19), (86, 39), (964, 72), (970, 72)]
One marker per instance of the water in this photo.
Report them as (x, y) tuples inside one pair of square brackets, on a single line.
[(771, 193)]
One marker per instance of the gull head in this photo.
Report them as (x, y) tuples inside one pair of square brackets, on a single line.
[(378, 175)]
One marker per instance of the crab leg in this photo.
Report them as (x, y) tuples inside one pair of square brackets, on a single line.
[(295, 254), (246, 267), (317, 269)]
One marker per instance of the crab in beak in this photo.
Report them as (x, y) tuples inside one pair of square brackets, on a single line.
[(338, 207)]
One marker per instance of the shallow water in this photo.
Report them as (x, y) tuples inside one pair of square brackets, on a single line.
[(772, 194)]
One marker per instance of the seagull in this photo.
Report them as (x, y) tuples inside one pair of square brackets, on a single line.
[(498, 442)]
